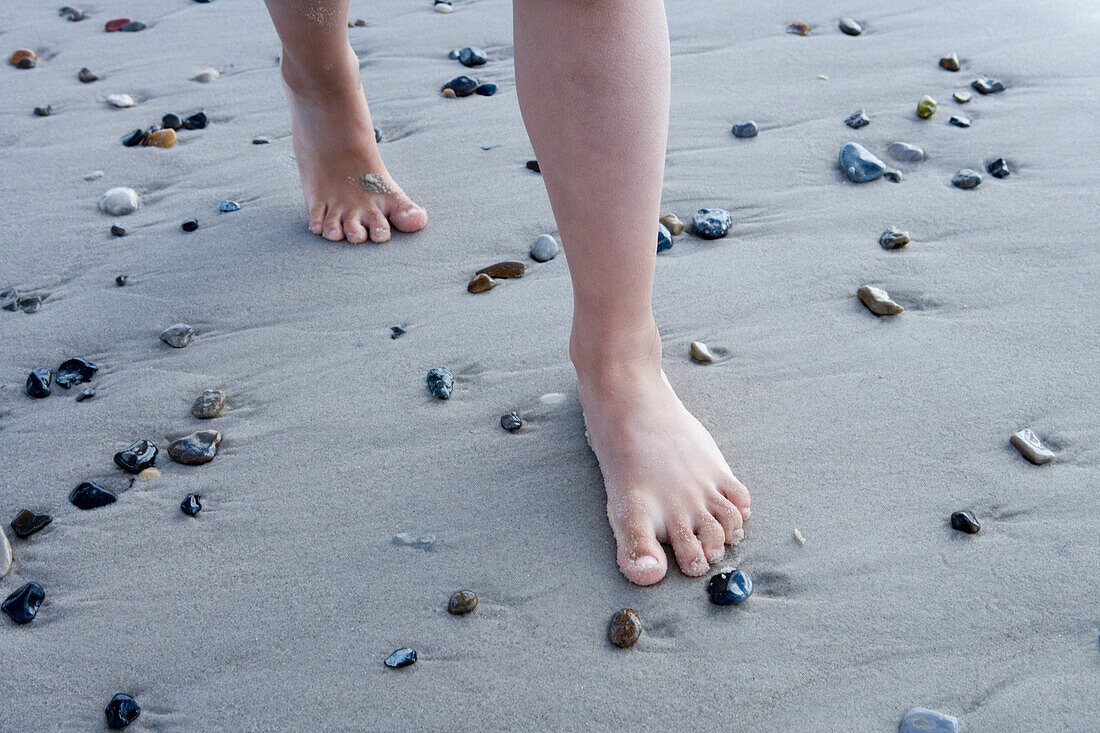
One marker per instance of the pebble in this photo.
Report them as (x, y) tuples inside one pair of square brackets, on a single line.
[(533, 165), (26, 63), (209, 404), (9, 299), (965, 522), (462, 602), (265, 141), (397, 332), (161, 138), (545, 248), (472, 56), (404, 656), (149, 474), (171, 121), (711, 223), (121, 280), (625, 628), (191, 504), (20, 54), (43, 111), (22, 605), (511, 422), (905, 152), (701, 353), (38, 382), (878, 301), (1031, 448), (486, 89), (138, 457), (926, 107), (86, 394), (120, 201), (121, 711), (190, 225), (748, 128), (228, 207), (849, 26), (959, 121), (443, 6), (664, 238), (985, 85), (71, 14), (207, 75), (963, 97), (195, 449), (133, 27), (27, 523), (673, 223), (481, 283), (922, 720), (729, 587), (507, 269), (857, 119), (86, 75), (798, 536), (94, 176), (88, 496), (441, 382), (75, 371), (135, 138), (461, 86), (951, 63), (115, 25), (377, 135), (196, 121), (893, 238), (178, 335), (121, 101), (424, 542), (799, 28), (859, 164), (5, 554), (30, 304), (999, 168), (967, 178), (118, 230)]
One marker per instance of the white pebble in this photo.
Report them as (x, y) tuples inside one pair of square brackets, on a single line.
[(798, 537), (822, 77), (701, 353), (94, 176), (444, 7), (120, 100), (207, 75), (120, 201), (553, 398), (5, 554), (878, 301), (1029, 445)]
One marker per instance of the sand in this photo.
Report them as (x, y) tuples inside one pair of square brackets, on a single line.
[(274, 607)]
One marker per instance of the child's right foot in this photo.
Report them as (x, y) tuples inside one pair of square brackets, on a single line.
[(348, 190)]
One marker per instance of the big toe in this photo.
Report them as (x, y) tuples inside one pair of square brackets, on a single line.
[(640, 556), (408, 217)]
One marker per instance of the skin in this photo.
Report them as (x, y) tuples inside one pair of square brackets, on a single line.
[(592, 78)]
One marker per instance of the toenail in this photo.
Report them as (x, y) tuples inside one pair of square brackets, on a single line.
[(716, 555), (699, 564), (738, 535), (746, 512), (645, 562)]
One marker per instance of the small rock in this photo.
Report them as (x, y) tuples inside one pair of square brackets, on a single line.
[(443, 6), (195, 449), (377, 135), (43, 111), (673, 223), (75, 371), (951, 63), (359, 22), (178, 336), (959, 121), (985, 85), (849, 26), (424, 542), (120, 201), (729, 587), (265, 141), (121, 711), (926, 107), (481, 283), (190, 225), (664, 238), (86, 394), (135, 138), (799, 28), (962, 97), (857, 119), (894, 176), (711, 223), (1029, 445), (118, 230), (405, 656), (121, 280), (472, 56), (149, 474), (30, 303), (138, 457), (26, 63), (197, 121), (71, 14), (9, 299), (38, 382), (161, 138), (22, 605), (5, 554), (207, 75), (462, 602), (115, 25), (511, 422), (545, 248), (893, 238), (171, 121), (133, 27), (859, 164), (745, 129), (228, 207), (798, 536), (441, 382), (486, 89), (20, 54), (965, 522), (461, 86), (86, 75), (999, 168), (878, 301), (88, 496), (625, 628), (533, 165), (905, 152), (191, 504), (967, 178), (27, 523), (94, 176), (121, 101), (701, 353), (504, 270), (922, 720), (209, 404), (397, 332)]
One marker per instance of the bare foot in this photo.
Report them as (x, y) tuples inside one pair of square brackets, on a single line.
[(665, 477), (348, 190)]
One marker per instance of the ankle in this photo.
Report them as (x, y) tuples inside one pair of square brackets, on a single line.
[(330, 76), (604, 358)]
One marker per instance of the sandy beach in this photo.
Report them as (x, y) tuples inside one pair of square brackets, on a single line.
[(274, 607)]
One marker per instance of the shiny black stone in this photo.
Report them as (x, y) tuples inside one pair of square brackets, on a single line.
[(133, 27), (462, 86), (27, 523), (121, 280), (985, 85), (396, 332), (190, 225), (377, 135), (472, 56), (511, 422), (26, 63), (118, 230), (998, 168), (191, 504), (729, 588), (22, 605), (171, 121), (135, 138), (401, 658), (121, 711), (196, 121), (43, 111), (89, 496), (75, 371), (38, 382), (965, 522), (486, 89), (138, 457), (441, 382)]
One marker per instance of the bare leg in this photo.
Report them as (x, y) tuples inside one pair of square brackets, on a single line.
[(348, 190), (593, 83)]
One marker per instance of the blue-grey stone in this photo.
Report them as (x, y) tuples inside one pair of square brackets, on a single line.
[(472, 56), (748, 128), (711, 223), (967, 178), (441, 382), (905, 152), (38, 382), (859, 164), (857, 119), (424, 542), (401, 658), (664, 238), (894, 176), (228, 206), (453, 53), (998, 168), (923, 720), (985, 85), (849, 26), (486, 89), (545, 248), (729, 587), (959, 121)]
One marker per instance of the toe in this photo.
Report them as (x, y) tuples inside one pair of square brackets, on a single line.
[(729, 516), (640, 556), (407, 216), (689, 552), (354, 229), (736, 493), (711, 536), (333, 229), (317, 218), (379, 227)]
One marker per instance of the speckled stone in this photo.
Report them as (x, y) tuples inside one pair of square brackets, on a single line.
[(926, 107), (195, 449), (138, 457), (922, 720), (75, 371), (905, 152), (402, 657), (999, 168), (461, 86), (22, 605), (481, 283), (38, 382), (711, 223), (878, 301), (511, 422), (664, 238), (545, 248), (849, 26), (462, 603), (228, 207), (178, 335), (625, 628), (209, 404), (859, 164), (673, 223), (967, 178), (857, 119), (121, 711), (472, 56), (1030, 447), (985, 85), (87, 496), (504, 270), (27, 523), (745, 129), (893, 238), (965, 521), (729, 587), (441, 383), (120, 201), (959, 121), (701, 353), (191, 504), (950, 62)]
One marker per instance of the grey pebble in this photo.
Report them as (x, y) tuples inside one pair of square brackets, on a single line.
[(426, 542), (748, 128), (195, 449), (967, 178), (923, 720), (209, 404), (177, 336), (857, 119), (905, 152), (859, 164), (849, 26), (894, 238), (985, 85), (959, 121), (545, 248)]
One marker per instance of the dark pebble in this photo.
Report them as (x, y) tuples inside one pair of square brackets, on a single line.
[(472, 56), (959, 121), (401, 658), (195, 449), (377, 135), (22, 605), (71, 14), (138, 457), (998, 168), (711, 223), (27, 62), (505, 270), (38, 382), (729, 588), (511, 422), (397, 332), (748, 128), (664, 238), (263, 141), (135, 138), (196, 121), (190, 225), (27, 523), (625, 628), (985, 85), (171, 121), (857, 119), (43, 111), (209, 404), (849, 26), (229, 206), (118, 230), (133, 27), (75, 371), (965, 522), (121, 711), (533, 165), (951, 63), (462, 86), (121, 280), (191, 504), (9, 299), (87, 76), (89, 496), (967, 178), (30, 304), (893, 176), (462, 602), (486, 89), (441, 383), (86, 394)]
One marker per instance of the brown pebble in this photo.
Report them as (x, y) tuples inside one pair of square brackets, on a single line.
[(507, 269), (799, 28), (951, 63), (162, 138), (449, 93), (481, 283), (673, 224), (462, 602), (43, 111), (20, 54), (963, 97), (625, 628)]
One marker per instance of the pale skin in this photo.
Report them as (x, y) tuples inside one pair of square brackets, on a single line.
[(592, 77)]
